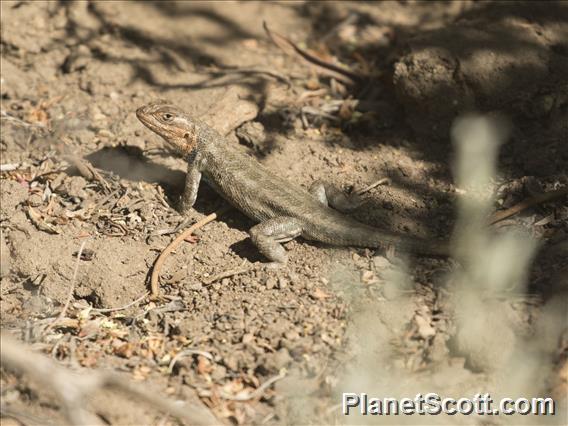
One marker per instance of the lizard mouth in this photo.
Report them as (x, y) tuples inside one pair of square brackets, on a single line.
[(142, 115), (169, 135), (146, 118)]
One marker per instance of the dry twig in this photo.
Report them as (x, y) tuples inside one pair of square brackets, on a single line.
[(70, 292), (154, 284), (257, 393), (525, 204), (122, 308), (74, 389), (226, 274), (332, 70), (252, 71), (185, 353), (383, 181)]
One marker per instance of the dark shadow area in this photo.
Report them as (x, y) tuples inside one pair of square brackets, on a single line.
[(326, 18), (130, 163), (247, 250), (452, 41), (171, 53)]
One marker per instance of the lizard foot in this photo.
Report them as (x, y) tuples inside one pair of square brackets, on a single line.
[(329, 195), (269, 235)]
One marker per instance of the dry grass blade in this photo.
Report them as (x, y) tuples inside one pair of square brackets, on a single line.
[(185, 353), (122, 308), (332, 70), (71, 290), (226, 274), (383, 181)]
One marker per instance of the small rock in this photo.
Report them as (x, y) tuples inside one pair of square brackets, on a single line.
[(231, 363), (282, 358), (282, 283), (270, 283), (327, 339), (104, 133), (248, 338), (292, 335), (219, 373), (35, 200)]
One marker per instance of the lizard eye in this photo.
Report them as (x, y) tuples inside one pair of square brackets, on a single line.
[(167, 116)]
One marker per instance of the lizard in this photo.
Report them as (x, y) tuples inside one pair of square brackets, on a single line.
[(284, 211)]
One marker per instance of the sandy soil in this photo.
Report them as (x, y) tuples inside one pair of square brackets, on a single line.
[(73, 75)]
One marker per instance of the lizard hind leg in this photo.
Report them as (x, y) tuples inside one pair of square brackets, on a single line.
[(269, 235), (329, 195)]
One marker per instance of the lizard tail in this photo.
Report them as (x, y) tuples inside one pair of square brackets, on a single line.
[(366, 236)]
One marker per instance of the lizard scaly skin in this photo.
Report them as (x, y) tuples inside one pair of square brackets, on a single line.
[(284, 211)]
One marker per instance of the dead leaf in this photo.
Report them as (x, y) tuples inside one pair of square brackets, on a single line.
[(204, 366), (39, 222), (141, 372), (126, 350)]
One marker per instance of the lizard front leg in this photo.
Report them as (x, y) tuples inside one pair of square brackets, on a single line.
[(269, 235), (189, 195), (329, 195)]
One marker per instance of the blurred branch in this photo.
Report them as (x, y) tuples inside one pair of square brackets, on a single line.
[(72, 389)]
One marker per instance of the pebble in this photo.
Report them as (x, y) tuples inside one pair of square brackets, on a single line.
[(282, 358), (292, 335), (270, 283), (35, 200), (231, 363), (248, 338), (194, 286), (218, 373), (282, 283)]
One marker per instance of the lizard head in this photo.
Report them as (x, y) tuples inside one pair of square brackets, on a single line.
[(172, 124)]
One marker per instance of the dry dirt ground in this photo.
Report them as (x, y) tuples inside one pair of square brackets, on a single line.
[(78, 168)]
